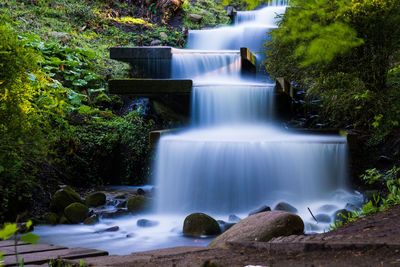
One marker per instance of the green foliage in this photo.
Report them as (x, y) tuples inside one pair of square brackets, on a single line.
[(104, 150), (391, 178), (11, 229), (340, 52), (30, 103), (213, 14)]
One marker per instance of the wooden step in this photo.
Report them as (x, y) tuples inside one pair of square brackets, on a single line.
[(44, 256)]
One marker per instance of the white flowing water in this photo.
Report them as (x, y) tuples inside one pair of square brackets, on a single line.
[(232, 159)]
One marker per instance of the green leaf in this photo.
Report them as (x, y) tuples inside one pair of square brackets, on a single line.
[(30, 238), (8, 231)]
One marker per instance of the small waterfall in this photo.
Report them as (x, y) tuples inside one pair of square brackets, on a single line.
[(231, 104), (201, 64), (250, 30)]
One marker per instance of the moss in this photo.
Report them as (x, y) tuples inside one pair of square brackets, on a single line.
[(95, 199), (91, 220), (50, 218), (138, 203), (200, 224), (62, 198), (76, 212), (64, 220)]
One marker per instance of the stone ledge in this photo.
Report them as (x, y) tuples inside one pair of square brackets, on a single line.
[(130, 54), (150, 87)]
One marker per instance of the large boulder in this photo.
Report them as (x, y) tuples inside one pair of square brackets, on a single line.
[(138, 203), (200, 224), (95, 199), (64, 197), (76, 212), (261, 227)]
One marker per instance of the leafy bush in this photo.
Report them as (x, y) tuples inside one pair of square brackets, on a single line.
[(340, 52), (105, 149), (30, 102), (391, 179)]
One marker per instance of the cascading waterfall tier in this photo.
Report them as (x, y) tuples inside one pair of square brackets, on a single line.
[(200, 64), (233, 169)]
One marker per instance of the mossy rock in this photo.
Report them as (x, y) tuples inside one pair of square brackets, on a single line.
[(138, 203), (50, 218), (200, 224), (64, 220), (95, 199), (64, 197), (91, 220), (76, 212)]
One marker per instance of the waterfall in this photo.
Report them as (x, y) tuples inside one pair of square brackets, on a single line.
[(201, 64), (231, 103), (233, 158)]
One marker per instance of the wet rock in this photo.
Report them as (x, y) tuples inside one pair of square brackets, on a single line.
[(323, 218), (115, 213), (50, 218), (327, 208), (285, 207), (261, 227), (121, 196), (91, 220), (234, 218), (197, 224), (64, 197), (155, 42), (146, 223), (140, 192), (110, 229), (341, 215), (224, 225), (195, 18), (138, 203), (260, 209), (95, 199), (76, 212)]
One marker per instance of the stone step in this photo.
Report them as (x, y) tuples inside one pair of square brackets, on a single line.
[(150, 87), (156, 61)]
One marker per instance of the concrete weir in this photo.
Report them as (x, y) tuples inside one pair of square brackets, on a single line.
[(150, 87), (156, 61)]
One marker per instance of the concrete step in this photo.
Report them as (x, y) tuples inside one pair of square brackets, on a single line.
[(150, 87)]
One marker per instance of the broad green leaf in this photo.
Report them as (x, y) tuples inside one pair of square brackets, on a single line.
[(8, 231), (30, 238)]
